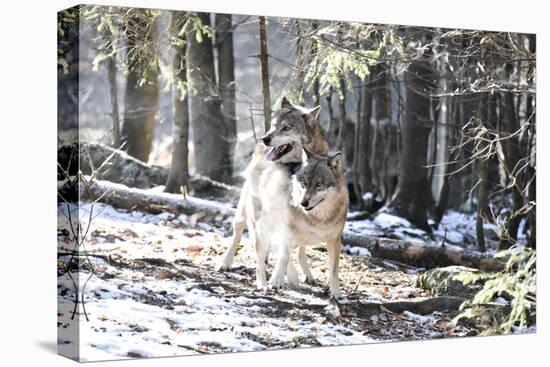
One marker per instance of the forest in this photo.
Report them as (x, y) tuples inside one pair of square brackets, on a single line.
[(159, 113)]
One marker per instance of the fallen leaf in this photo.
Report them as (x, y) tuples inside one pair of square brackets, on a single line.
[(194, 248), (165, 274)]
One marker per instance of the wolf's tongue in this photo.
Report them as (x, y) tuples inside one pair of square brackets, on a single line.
[(272, 154), (276, 152)]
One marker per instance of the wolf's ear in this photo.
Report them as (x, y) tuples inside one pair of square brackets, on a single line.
[(285, 103), (335, 161), (315, 112), (310, 118)]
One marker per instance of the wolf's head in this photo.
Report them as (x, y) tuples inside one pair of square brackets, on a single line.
[(320, 177), (292, 127)]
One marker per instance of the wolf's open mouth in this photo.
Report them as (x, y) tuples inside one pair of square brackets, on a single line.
[(276, 153)]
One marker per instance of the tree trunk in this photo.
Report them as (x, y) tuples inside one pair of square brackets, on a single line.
[(265, 72), (445, 191), (363, 164), (532, 170), (382, 139), (455, 180), (356, 151), (482, 194), (299, 63), (465, 178), (413, 198), (314, 49), (532, 215), (179, 166), (510, 125), (226, 82), (111, 76), (211, 147), (330, 127), (140, 102), (481, 204), (340, 138)]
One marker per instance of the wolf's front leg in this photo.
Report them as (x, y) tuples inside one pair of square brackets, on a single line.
[(333, 259), (292, 274), (262, 249), (302, 259), (229, 254), (278, 277)]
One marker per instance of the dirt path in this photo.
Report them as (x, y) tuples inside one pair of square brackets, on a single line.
[(155, 293)]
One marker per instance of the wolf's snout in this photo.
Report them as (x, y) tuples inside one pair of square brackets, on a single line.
[(305, 203), (266, 139)]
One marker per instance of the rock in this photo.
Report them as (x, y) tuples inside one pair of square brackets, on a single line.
[(110, 165), (117, 166), (442, 282)]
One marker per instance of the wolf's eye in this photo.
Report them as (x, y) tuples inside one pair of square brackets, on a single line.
[(286, 128), (318, 185)]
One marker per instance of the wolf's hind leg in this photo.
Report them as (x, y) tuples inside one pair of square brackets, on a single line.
[(239, 222), (302, 259)]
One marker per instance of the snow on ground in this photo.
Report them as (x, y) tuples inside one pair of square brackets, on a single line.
[(455, 227), (155, 293)]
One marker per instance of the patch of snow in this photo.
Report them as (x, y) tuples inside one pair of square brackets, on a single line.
[(525, 330), (389, 220), (367, 196), (137, 314), (356, 250), (419, 318), (501, 301), (159, 188)]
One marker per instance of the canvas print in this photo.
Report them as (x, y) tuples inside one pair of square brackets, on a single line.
[(232, 183)]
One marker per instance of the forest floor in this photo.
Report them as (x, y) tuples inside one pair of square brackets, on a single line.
[(155, 292)]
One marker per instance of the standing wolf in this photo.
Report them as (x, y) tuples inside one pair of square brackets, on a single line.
[(264, 202), (317, 215)]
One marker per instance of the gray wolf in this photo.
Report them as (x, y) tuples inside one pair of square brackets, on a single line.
[(318, 209), (264, 202)]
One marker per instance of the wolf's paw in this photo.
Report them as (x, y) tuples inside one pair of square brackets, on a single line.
[(261, 285), (222, 267), (293, 280), (225, 263), (277, 281), (335, 292)]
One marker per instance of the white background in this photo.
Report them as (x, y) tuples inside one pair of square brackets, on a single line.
[(28, 166)]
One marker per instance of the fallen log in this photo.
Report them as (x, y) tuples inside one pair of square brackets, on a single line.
[(411, 252), (423, 254), (123, 197), (420, 307)]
